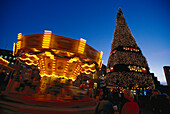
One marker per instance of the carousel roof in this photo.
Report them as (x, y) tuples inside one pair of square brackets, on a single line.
[(57, 55)]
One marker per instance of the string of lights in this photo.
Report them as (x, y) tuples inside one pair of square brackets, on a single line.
[(127, 67)]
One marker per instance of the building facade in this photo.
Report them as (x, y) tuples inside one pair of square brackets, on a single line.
[(7, 55), (167, 74)]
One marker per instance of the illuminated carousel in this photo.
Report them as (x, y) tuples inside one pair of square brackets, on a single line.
[(57, 56), (57, 60)]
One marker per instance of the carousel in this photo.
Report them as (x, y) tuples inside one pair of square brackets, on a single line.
[(47, 68)]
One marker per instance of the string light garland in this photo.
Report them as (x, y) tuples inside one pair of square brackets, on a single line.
[(127, 68), (127, 48)]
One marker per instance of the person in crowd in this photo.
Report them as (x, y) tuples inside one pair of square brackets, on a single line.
[(163, 103), (2, 78), (159, 102), (91, 83), (25, 81), (101, 94), (130, 107), (91, 86), (154, 100), (85, 85), (106, 106), (81, 86), (114, 97)]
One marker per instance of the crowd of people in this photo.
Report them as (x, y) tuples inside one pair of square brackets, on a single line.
[(125, 102), (3, 80)]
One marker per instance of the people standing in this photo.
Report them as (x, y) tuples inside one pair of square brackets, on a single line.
[(91, 86), (130, 107), (2, 78)]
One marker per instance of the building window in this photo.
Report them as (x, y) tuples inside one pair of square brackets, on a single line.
[(5, 57), (14, 58), (10, 57), (12, 63), (1, 56)]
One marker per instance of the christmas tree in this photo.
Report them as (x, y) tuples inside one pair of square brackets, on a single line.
[(127, 67)]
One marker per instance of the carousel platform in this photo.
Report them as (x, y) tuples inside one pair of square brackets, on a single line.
[(18, 104)]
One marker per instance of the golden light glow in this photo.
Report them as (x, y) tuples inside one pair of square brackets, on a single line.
[(131, 49), (82, 44), (18, 45), (47, 62), (36, 50), (19, 36), (73, 59), (85, 72), (55, 51), (101, 54), (73, 80), (46, 39), (14, 49), (69, 54), (49, 55), (86, 65), (31, 64), (35, 56), (54, 64), (100, 62), (43, 65), (4, 62), (66, 68), (42, 75), (24, 59), (68, 63), (78, 68), (137, 68), (56, 76), (28, 58), (89, 70)]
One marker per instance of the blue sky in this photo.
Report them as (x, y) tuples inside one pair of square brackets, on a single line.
[(95, 21)]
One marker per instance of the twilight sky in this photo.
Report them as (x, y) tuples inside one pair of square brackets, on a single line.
[(95, 21)]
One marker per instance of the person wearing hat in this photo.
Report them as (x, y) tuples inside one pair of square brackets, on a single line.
[(130, 107)]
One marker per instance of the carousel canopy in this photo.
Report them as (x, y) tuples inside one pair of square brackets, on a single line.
[(56, 55)]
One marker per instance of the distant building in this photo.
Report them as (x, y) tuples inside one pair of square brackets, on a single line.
[(7, 55), (167, 74), (7, 61)]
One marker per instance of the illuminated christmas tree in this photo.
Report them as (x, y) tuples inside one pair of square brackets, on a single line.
[(127, 67)]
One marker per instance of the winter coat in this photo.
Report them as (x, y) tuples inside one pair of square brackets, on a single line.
[(130, 108)]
